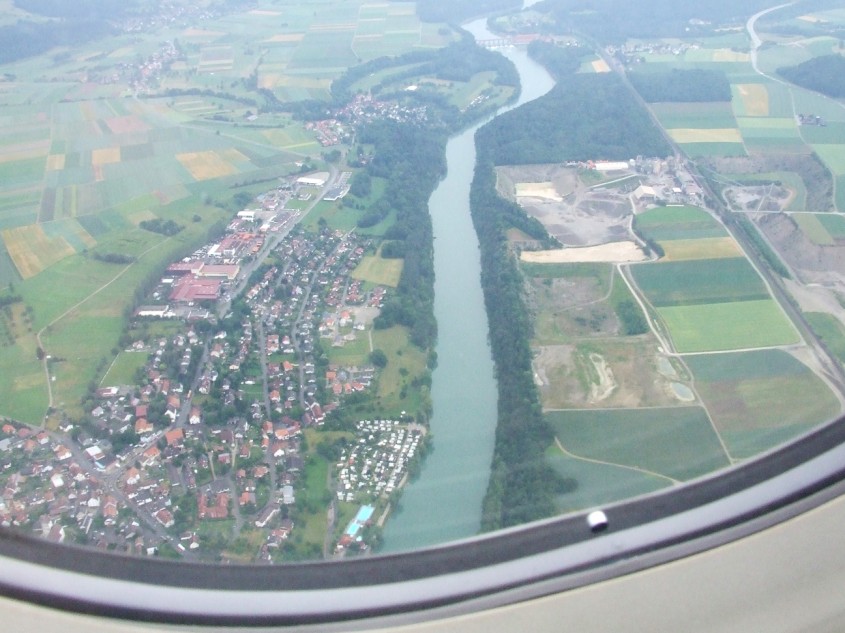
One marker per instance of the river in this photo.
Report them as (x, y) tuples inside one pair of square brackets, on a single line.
[(444, 502)]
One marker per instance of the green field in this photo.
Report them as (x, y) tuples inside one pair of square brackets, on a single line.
[(812, 226), (833, 156), (597, 484), (760, 399), (831, 332), (834, 223), (404, 363), (122, 370), (831, 134), (699, 282), (678, 223), (703, 150), (676, 442), (711, 115), (728, 326)]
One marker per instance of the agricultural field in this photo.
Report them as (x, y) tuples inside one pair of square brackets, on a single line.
[(834, 224), (714, 304), (699, 116), (677, 443), (596, 483), (702, 248), (699, 282), (733, 325), (830, 330), (812, 226), (742, 390)]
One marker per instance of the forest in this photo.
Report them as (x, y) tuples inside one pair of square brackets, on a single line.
[(411, 178), (584, 117), (25, 38), (825, 74), (686, 86), (522, 485)]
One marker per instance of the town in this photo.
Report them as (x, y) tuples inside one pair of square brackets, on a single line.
[(204, 453)]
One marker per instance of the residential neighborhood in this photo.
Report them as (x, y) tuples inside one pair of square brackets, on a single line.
[(203, 454)]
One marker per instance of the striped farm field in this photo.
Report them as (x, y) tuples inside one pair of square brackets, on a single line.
[(812, 227), (706, 248), (704, 281), (761, 398), (32, 250), (834, 223), (735, 325)]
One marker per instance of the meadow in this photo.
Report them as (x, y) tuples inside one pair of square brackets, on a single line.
[(404, 363), (378, 270)]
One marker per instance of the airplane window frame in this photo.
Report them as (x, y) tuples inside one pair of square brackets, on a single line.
[(489, 570)]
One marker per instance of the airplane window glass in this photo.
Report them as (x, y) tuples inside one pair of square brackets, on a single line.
[(288, 281)]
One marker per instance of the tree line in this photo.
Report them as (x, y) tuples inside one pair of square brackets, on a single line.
[(583, 117)]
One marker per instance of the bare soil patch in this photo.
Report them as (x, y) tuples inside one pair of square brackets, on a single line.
[(571, 211), (816, 177), (606, 374), (613, 252), (813, 263)]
